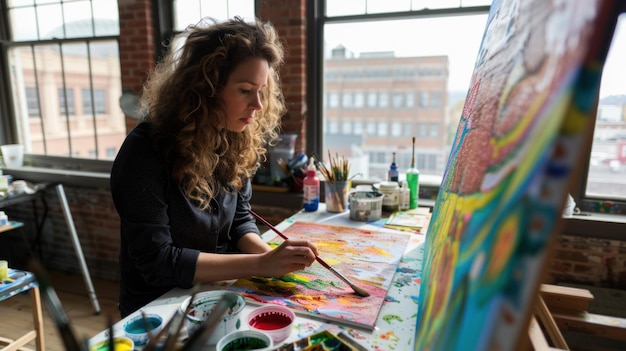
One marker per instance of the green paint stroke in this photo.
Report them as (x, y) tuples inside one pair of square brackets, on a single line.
[(388, 318), (316, 284)]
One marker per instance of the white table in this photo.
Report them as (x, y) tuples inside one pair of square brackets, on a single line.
[(395, 326)]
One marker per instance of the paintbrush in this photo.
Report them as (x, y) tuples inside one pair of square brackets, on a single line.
[(359, 291), (60, 318), (199, 338)]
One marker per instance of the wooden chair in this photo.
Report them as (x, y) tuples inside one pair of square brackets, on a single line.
[(25, 282)]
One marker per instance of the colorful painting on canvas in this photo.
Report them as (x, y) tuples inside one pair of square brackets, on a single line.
[(367, 258), (529, 106)]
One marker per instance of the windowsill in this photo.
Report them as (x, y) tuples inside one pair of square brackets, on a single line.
[(67, 177), (596, 225)]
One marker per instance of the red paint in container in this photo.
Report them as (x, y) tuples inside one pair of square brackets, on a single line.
[(274, 320), (270, 321)]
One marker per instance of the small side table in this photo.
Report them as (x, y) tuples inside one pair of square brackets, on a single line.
[(21, 281)]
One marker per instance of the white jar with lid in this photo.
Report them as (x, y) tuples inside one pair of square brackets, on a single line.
[(391, 193)]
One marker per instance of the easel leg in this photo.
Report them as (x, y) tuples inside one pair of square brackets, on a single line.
[(544, 316), (77, 248)]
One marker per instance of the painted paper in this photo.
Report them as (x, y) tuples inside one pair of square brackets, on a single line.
[(368, 258), (527, 113)]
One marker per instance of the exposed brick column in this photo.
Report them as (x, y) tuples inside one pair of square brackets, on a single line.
[(137, 50), (289, 18)]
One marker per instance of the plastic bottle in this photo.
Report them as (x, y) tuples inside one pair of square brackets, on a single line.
[(412, 178), (392, 175), (405, 196), (311, 188), (4, 219)]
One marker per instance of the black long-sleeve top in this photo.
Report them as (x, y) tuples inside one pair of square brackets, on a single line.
[(162, 232)]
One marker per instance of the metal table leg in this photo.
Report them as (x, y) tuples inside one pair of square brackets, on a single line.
[(77, 247)]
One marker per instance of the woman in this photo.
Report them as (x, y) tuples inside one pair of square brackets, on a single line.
[(181, 180)]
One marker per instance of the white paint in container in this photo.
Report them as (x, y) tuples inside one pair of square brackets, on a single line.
[(366, 206)]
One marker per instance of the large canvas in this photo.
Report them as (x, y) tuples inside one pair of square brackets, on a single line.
[(367, 258), (528, 109)]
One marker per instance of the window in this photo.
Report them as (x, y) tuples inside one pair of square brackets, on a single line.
[(371, 128), (372, 99), (607, 164), (424, 99), (383, 100), (346, 100), (188, 12), (32, 102), (58, 52), (422, 130), (410, 100), (66, 102), (382, 128), (346, 127), (397, 100), (333, 100), (358, 128), (363, 29), (97, 106), (396, 129), (359, 100), (434, 130), (412, 81)]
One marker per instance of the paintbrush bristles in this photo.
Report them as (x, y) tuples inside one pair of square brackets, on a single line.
[(338, 168)]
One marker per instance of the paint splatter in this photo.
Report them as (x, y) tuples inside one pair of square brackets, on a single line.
[(391, 317)]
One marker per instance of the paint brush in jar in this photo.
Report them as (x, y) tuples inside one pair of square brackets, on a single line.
[(359, 291)]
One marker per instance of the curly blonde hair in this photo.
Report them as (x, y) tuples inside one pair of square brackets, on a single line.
[(181, 102)]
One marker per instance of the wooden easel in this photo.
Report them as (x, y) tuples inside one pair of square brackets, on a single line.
[(552, 336), (565, 308)]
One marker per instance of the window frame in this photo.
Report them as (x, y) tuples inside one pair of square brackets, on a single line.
[(317, 19), (9, 131)]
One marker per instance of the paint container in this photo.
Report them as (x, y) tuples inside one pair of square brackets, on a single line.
[(13, 155), (366, 206), (4, 270), (202, 306), (19, 186), (275, 320), (121, 344), (244, 340), (391, 200), (141, 328)]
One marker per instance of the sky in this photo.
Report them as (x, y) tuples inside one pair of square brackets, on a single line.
[(435, 37)]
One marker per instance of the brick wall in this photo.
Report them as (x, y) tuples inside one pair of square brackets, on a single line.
[(591, 261)]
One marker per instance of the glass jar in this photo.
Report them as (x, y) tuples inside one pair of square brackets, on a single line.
[(391, 192)]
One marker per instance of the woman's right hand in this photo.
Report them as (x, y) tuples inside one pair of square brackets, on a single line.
[(291, 255)]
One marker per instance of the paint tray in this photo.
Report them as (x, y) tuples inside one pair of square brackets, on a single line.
[(322, 341)]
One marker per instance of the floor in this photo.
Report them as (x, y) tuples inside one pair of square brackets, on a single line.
[(71, 291)]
